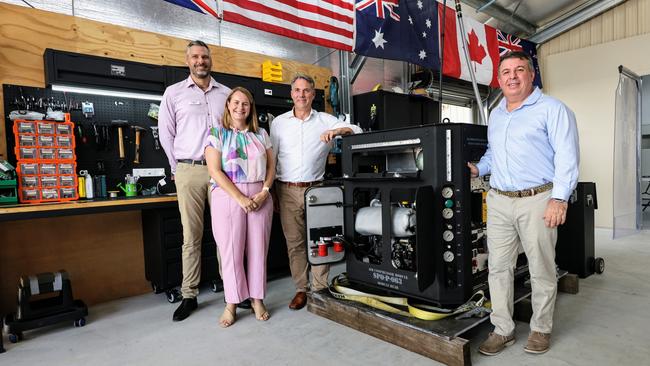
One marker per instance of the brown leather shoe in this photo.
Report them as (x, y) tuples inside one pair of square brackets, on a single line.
[(495, 343), (538, 342), (299, 301)]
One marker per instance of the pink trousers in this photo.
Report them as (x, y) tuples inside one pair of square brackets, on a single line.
[(239, 234)]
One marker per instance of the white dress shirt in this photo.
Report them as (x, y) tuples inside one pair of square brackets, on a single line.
[(299, 152)]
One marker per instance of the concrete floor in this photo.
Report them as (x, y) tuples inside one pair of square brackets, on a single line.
[(605, 324)]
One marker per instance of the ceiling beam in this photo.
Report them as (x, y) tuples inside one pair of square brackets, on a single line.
[(501, 14), (572, 19)]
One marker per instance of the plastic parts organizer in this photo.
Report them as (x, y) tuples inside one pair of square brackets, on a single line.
[(46, 160)]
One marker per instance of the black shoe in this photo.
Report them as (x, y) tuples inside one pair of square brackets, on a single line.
[(185, 309), (246, 304)]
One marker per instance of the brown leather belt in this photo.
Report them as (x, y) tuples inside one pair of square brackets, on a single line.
[(300, 184), (526, 192)]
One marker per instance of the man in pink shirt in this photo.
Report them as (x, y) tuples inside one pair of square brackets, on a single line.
[(187, 112)]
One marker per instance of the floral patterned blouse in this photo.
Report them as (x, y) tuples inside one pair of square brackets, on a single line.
[(243, 153)]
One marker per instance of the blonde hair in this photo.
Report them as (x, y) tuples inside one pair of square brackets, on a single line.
[(251, 120)]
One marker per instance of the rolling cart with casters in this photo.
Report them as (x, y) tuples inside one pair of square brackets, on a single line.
[(174, 295), (53, 304), (575, 239)]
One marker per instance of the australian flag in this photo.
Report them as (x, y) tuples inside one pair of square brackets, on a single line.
[(404, 30), (508, 42)]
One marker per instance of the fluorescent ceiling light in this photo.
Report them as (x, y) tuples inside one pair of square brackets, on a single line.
[(112, 93)]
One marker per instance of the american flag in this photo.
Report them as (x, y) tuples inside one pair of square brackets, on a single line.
[(327, 23)]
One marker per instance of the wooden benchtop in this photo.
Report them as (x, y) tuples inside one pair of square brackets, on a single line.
[(80, 207)]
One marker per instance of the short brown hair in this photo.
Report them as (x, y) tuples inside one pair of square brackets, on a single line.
[(197, 43), (521, 55), (304, 77), (251, 120)]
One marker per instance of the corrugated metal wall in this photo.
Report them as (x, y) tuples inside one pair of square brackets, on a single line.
[(629, 19), (161, 17)]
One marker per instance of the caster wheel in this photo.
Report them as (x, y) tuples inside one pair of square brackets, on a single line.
[(216, 286), (15, 337), (155, 288), (173, 296), (80, 322), (599, 265)]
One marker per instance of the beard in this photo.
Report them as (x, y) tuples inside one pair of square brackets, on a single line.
[(201, 73)]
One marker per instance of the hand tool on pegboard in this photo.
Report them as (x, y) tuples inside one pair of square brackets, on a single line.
[(120, 124), (138, 131), (156, 141)]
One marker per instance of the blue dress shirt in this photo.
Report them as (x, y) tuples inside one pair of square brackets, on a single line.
[(532, 145)]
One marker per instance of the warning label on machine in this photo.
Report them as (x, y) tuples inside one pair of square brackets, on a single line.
[(388, 279)]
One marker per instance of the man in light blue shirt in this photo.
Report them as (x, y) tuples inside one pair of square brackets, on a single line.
[(532, 157)]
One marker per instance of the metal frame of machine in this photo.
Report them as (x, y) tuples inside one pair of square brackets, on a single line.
[(414, 220)]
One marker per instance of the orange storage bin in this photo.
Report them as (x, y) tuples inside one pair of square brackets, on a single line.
[(46, 161)]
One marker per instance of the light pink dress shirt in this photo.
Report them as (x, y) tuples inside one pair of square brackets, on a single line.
[(186, 115)]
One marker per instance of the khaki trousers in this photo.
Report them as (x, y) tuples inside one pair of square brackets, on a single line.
[(292, 215), (193, 188), (511, 222)]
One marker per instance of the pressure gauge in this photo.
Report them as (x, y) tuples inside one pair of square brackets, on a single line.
[(447, 235), (447, 192), (448, 256), (447, 213)]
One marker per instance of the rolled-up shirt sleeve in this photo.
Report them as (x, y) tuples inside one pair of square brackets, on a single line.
[(337, 123), (167, 128)]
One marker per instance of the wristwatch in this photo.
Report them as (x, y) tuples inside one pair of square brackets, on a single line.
[(559, 200), (265, 188)]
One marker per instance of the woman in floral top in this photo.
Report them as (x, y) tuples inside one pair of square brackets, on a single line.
[(242, 167)]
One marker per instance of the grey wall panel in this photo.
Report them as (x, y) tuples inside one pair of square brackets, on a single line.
[(61, 6)]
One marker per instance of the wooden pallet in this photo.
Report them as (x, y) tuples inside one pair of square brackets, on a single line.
[(390, 328), (438, 340)]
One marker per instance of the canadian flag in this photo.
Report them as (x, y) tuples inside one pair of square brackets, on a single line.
[(482, 45)]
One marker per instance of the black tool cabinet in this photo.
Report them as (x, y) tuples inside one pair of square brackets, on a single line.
[(163, 239)]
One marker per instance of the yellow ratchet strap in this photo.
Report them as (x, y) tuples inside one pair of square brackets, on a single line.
[(338, 288)]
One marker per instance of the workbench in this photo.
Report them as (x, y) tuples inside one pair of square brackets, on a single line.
[(99, 243)]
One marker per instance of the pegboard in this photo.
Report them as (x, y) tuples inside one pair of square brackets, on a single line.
[(97, 155)]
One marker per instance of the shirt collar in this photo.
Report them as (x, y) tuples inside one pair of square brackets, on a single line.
[(189, 82), (311, 114), (531, 99)]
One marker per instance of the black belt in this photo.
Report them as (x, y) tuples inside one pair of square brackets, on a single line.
[(193, 162)]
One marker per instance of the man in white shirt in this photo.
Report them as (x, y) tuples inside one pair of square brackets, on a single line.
[(301, 141)]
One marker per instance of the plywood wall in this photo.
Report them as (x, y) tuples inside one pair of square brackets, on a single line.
[(25, 33), (103, 253)]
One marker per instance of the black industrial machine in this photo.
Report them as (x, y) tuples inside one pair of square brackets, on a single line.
[(574, 250), (382, 110), (413, 219)]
